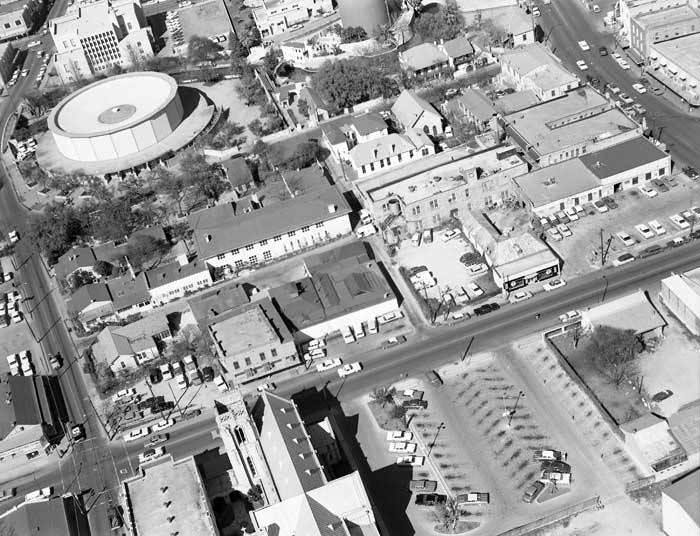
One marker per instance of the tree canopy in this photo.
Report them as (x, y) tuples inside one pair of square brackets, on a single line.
[(614, 352), (353, 34), (56, 229), (345, 83), (444, 22), (201, 49), (145, 251)]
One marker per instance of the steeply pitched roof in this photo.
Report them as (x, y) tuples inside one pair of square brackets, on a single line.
[(477, 103), (409, 108), (89, 294), (365, 124), (459, 46), (686, 492), (423, 56), (173, 271), (237, 171), (220, 230), (387, 146), (538, 63), (127, 292)]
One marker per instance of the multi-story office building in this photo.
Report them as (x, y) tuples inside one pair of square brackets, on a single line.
[(278, 16), (100, 36), (18, 17)]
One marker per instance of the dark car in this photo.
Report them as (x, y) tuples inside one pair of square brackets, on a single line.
[(651, 250), (207, 374), (486, 308), (556, 466), (610, 202), (695, 234), (533, 491), (430, 499), (603, 51), (471, 258), (159, 407), (155, 376), (662, 395), (415, 403), (417, 269), (661, 185), (690, 172), (422, 485)]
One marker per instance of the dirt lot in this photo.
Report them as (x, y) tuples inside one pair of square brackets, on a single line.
[(581, 252), (624, 403)]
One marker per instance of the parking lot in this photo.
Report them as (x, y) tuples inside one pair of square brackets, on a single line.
[(582, 251), (17, 337), (450, 275)]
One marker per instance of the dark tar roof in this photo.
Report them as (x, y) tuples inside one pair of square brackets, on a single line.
[(622, 157)]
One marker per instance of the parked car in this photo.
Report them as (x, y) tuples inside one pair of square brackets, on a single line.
[(624, 97), (266, 387), (648, 191), (329, 364), (125, 394), (474, 290), (39, 494), (220, 383), (415, 404), (7, 493), (679, 221), (623, 259), (349, 368), (478, 269), (584, 46), (399, 435), (402, 448), (449, 234), (662, 395), (427, 236), (564, 230), (519, 296), (430, 499), (610, 202), (651, 250), (582, 65), (639, 88), (77, 433), (626, 239), (570, 316), (572, 214), (657, 227), (166, 372), (162, 425), (414, 461), (533, 491), (151, 454), (422, 485), (207, 374), (472, 497), (137, 434), (554, 284), (644, 230), (546, 454), (390, 317), (393, 341), (486, 308)]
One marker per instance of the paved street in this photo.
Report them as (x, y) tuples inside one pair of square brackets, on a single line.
[(570, 22)]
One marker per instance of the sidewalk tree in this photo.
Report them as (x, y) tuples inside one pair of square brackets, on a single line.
[(383, 395), (81, 278), (249, 88), (200, 49), (55, 230), (448, 514)]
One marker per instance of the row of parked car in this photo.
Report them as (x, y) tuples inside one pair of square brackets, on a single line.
[(10, 309)]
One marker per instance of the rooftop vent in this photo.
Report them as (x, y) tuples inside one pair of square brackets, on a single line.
[(207, 238), (332, 209)]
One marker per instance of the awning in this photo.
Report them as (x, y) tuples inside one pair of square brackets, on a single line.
[(634, 56)]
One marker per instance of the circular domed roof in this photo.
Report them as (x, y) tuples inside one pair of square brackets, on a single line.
[(112, 104)]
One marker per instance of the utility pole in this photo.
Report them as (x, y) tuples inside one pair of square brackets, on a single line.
[(604, 254), (470, 341)]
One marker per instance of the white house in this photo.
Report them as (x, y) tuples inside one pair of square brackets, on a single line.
[(378, 155), (413, 111), (173, 280), (680, 506), (342, 134), (226, 238)]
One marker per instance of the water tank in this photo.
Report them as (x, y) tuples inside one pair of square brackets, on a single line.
[(366, 13), (394, 207)]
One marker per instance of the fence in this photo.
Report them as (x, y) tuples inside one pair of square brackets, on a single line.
[(639, 484), (555, 517)]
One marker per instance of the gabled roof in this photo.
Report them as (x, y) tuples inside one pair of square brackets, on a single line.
[(477, 103), (423, 56), (365, 124), (237, 171), (115, 341), (220, 230), (387, 146), (127, 291), (409, 108), (459, 46), (24, 408), (173, 271), (87, 295), (536, 62)]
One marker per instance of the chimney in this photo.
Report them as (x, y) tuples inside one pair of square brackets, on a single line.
[(376, 153), (332, 209), (393, 147)]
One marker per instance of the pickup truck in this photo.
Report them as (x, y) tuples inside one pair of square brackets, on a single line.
[(430, 499), (472, 497), (423, 485), (545, 455)]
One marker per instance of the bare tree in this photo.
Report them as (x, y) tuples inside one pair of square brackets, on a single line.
[(383, 395), (614, 352), (448, 514)]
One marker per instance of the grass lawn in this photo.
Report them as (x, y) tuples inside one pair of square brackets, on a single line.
[(384, 418), (623, 403)]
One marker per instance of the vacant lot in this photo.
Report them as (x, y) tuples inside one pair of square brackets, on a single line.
[(623, 402)]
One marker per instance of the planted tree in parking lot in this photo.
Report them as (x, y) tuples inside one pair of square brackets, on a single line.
[(447, 514), (383, 395), (614, 352)]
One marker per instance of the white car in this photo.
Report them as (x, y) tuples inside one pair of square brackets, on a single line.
[(462, 296), (649, 192), (350, 368), (329, 364), (24, 72), (317, 344), (14, 237), (474, 289), (657, 227), (266, 387), (679, 221), (554, 284), (626, 239), (582, 65), (695, 211), (220, 383), (414, 461), (639, 88), (398, 435), (519, 296), (390, 316), (584, 46), (478, 269), (316, 353), (643, 230), (125, 394), (151, 454), (554, 234), (34, 44), (536, 12), (564, 229), (572, 214), (450, 234), (43, 493), (137, 434), (181, 381), (600, 206), (402, 448), (162, 425), (569, 316)]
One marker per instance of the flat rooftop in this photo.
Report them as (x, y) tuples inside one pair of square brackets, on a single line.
[(210, 18), (581, 115), (622, 157), (555, 182), (683, 53), (663, 17), (453, 174), (515, 255), (178, 483), (634, 312), (653, 437), (536, 62), (241, 330)]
